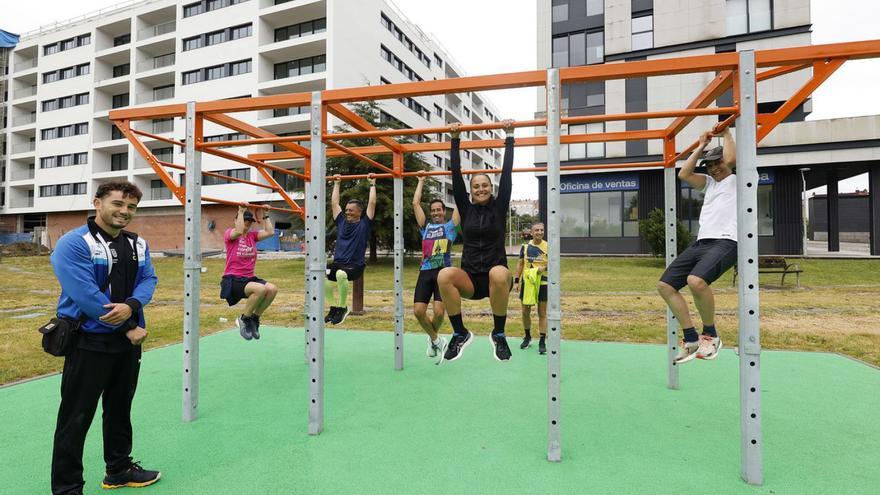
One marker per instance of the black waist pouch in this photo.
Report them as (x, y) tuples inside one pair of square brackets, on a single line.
[(60, 335)]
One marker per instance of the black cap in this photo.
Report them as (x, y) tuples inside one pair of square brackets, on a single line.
[(712, 155), (248, 216)]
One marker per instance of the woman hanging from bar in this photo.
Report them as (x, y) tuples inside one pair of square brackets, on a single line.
[(484, 272)]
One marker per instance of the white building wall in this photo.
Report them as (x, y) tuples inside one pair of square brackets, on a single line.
[(351, 44)]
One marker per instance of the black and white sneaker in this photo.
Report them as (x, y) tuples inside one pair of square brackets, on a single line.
[(135, 476), (500, 349), (255, 326), (244, 327), (527, 341), (341, 313), (330, 314), (457, 345), (542, 346)]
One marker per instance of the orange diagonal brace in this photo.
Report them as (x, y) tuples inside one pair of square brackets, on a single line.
[(280, 190), (716, 88), (124, 126), (821, 71), (253, 131), (357, 155), (779, 71), (361, 124)]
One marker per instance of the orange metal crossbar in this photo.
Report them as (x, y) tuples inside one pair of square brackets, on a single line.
[(219, 176), (249, 205), (359, 156), (159, 138), (253, 141), (433, 173)]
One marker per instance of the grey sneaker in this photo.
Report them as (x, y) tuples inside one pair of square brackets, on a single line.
[(244, 327), (709, 347), (687, 351), (435, 350), (255, 326)]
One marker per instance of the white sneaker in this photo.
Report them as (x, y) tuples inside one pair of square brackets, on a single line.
[(709, 347), (435, 349), (687, 351)]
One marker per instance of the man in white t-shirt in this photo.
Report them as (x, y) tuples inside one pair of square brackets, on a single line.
[(713, 253)]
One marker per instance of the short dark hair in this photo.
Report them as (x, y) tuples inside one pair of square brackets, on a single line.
[(128, 189), (359, 203), (437, 200)]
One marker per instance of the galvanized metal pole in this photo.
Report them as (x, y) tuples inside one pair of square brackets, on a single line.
[(554, 311), (315, 209), (398, 264), (307, 286), (670, 194), (192, 268), (751, 441)]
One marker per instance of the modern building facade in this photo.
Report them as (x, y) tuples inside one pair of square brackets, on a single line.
[(601, 210), (63, 81)]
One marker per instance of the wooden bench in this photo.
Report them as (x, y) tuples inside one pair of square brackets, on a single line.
[(775, 264)]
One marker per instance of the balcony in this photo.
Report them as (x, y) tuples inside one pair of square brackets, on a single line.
[(156, 94), (24, 147), (156, 63), (157, 30), (25, 65), (24, 92), (21, 174), (24, 119)]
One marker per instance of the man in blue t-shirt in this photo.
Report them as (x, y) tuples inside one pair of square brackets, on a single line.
[(437, 238), (352, 233)]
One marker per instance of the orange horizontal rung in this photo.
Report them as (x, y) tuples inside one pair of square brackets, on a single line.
[(219, 176), (432, 130), (359, 156), (661, 114), (597, 166), (159, 138), (253, 141), (248, 205), (361, 176), (252, 162)]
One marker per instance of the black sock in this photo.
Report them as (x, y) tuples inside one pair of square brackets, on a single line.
[(710, 331), (457, 326), (690, 335), (528, 334), (498, 329)]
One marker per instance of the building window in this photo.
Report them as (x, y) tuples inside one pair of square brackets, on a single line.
[(238, 173), (115, 133), (398, 64), (405, 40), (66, 73), (748, 16), (301, 67), (120, 100), (560, 11), (122, 40), (595, 7), (64, 160), (158, 190), (600, 214), (118, 161), (438, 61), (288, 182), (302, 29), (643, 32), (579, 151), (68, 44), (203, 6), (121, 70), (165, 154), (73, 189), (64, 131), (216, 72)]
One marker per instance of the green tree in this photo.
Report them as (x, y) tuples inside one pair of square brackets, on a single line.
[(383, 223), (653, 230)]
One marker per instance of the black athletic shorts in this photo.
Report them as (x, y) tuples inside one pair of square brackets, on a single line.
[(542, 292), (426, 286), (232, 287), (354, 272), (706, 258), (480, 281)]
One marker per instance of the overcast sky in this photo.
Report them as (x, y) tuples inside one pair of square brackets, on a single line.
[(492, 36)]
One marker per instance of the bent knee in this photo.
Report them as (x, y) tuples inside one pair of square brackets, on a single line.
[(271, 288), (341, 275), (695, 282), (664, 288)]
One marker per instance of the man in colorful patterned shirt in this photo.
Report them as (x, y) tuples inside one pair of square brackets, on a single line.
[(437, 238)]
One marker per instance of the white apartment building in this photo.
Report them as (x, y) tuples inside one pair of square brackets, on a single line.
[(64, 80), (601, 210)]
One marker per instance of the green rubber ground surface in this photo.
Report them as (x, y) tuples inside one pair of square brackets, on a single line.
[(472, 426)]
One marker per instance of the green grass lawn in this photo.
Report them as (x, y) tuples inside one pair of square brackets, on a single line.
[(607, 299)]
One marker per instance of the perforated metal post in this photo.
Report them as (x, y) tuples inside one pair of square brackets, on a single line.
[(670, 194), (751, 442), (192, 268), (554, 311), (315, 209), (398, 263), (307, 286)]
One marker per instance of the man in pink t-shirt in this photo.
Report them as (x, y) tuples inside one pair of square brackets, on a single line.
[(239, 281)]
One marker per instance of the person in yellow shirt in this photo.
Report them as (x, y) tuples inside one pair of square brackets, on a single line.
[(531, 282)]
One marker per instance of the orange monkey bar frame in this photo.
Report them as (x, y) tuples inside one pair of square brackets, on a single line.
[(733, 71)]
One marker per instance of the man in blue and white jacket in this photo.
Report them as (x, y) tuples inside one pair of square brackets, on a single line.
[(106, 280)]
